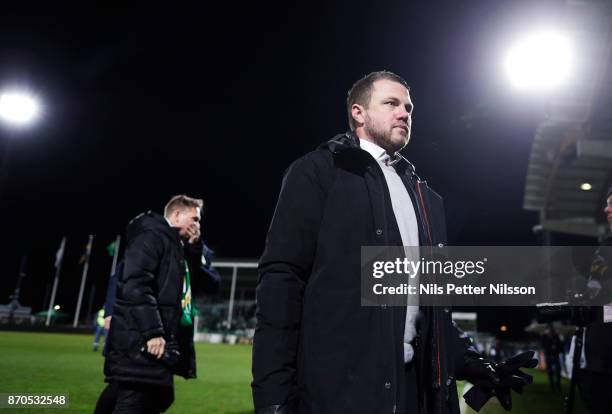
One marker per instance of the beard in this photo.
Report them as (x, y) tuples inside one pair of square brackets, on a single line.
[(383, 138)]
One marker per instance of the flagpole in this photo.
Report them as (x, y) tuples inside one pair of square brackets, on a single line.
[(58, 267), (14, 303), (115, 255), (83, 279)]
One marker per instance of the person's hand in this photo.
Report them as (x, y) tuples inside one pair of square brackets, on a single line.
[(193, 233), (497, 380), (156, 346), (107, 322)]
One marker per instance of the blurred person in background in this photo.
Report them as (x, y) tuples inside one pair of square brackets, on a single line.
[(552, 350), (100, 327), (595, 374), (151, 332)]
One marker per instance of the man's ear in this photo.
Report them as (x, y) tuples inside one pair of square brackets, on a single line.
[(358, 114), (174, 216)]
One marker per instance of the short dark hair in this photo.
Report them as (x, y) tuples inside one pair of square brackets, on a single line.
[(182, 201), (609, 192), (361, 92)]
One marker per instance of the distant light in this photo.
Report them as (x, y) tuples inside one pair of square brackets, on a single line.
[(503, 328), (18, 108), (539, 61), (586, 186), (56, 307)]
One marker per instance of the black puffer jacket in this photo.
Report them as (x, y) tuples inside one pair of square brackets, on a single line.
[(316, 348), (149, 303)]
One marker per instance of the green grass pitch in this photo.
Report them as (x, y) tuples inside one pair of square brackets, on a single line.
[(63, 363)]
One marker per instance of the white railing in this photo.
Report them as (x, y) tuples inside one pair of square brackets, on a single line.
[(234, 265)]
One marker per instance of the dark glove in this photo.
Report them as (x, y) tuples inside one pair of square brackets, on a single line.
[(274, 409), (599, 267), (171, 356), (497, 379)]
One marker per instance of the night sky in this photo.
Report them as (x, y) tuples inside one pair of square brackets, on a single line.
[(216, 101)]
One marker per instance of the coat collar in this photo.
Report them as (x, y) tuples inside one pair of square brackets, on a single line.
[(350, 142), (151, 221)]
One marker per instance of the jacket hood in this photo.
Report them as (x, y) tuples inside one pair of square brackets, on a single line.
[(349, 141), (150, 221)]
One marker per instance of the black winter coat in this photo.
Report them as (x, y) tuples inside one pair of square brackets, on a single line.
[(148, 303), (316, 348)]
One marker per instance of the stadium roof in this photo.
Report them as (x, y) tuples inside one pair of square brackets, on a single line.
[(570, 166)]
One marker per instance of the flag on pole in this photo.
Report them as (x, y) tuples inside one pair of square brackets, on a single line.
[(85, 261), (111, 248), (85, 256), (59, 255)]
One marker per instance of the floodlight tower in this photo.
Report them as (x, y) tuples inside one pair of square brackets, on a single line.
[(20, 109)]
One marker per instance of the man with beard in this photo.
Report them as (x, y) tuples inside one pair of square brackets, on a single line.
[(316, 349), (151, 334)]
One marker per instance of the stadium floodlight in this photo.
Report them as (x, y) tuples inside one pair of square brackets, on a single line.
[(539, 61), (19, 108), (586, 187), (56, 307)]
